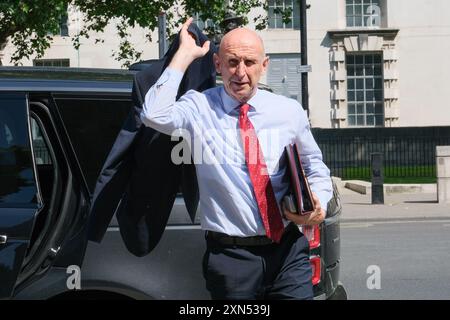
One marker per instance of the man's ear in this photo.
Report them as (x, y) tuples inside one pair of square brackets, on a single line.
[(265, 64), (216, 62)]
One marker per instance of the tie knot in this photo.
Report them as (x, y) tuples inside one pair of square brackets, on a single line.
[(244, 109)]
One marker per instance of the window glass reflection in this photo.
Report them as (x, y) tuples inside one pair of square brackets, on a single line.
[(17, 185)]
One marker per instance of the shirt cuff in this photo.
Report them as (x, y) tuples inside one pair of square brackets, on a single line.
[(170, 78), (324, 203)]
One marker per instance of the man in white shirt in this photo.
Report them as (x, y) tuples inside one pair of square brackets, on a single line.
[(254, 248)]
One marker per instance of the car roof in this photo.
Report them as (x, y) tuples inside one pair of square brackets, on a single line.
[(82, 80), (56, 79)]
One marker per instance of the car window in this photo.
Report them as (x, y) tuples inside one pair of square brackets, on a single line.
[(16, 170), (40, 149), (93, 125)]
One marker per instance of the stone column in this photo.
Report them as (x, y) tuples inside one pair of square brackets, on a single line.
[(443, 173)]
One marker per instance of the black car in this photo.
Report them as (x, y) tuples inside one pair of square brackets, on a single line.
[(56, 129)]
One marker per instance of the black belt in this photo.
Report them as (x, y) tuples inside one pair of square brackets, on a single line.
[(227, 240)]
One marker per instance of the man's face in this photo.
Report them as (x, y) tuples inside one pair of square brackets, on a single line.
[(241, 61)]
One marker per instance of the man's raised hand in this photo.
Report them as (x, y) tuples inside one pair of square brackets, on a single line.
[(188, 50)]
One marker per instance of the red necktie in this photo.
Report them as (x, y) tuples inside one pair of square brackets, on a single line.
[(267, 204)]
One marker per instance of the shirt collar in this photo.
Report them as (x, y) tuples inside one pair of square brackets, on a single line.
[(229, 103)]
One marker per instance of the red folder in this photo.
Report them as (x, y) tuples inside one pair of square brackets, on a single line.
[(299, 195)]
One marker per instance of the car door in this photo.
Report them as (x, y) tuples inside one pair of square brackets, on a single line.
[(19, 194), (43, 201)]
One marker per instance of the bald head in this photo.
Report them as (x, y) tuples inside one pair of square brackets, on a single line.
[(242, 37), (241, 61)]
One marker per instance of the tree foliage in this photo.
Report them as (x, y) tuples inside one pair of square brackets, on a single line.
[(31, 24)]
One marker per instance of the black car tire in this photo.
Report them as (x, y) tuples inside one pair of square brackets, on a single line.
[(339, 293)]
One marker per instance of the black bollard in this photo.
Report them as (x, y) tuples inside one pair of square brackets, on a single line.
[(377, 178)]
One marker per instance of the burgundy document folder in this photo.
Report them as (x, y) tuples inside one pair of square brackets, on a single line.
[(299, 195)]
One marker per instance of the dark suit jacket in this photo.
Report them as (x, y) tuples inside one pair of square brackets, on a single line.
[(138, 180)]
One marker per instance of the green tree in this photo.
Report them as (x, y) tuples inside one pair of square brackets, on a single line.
[(30, 24)]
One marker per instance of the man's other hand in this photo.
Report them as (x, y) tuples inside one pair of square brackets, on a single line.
[(314, 218)]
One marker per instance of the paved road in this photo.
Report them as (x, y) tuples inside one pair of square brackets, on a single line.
[(413, 258)]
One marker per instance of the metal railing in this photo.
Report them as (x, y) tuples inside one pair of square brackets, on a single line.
[(409, 152)]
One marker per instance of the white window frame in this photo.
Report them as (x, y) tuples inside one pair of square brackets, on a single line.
[(365, 94), (275, 20), (363, 13)]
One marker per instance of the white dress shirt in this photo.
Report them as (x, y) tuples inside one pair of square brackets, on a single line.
[(209, 122)]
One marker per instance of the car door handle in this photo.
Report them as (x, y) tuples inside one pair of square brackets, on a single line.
[(3, 239)]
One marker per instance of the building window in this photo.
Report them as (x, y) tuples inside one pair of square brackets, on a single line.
[(365, 90), (202, 24), (284, 8), (51, 62), (63, 27), (363, 13)]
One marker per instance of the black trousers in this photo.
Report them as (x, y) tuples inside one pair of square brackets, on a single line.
[(272, 271)]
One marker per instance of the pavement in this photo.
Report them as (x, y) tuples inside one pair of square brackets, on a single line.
[(397, 206)]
